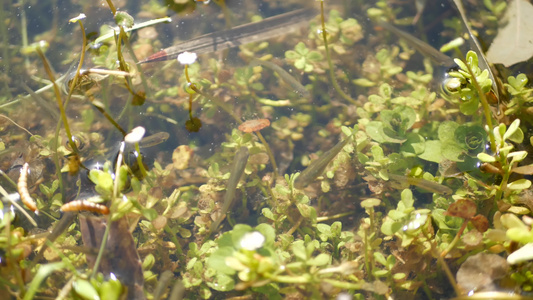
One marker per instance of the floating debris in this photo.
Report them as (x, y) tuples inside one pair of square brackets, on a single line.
[(254, 125)]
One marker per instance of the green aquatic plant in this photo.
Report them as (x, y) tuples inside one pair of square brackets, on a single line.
[(303, 58), (347, 31), (521, 97), (312, 239), (461, 142), (506, 159), (461, 83), (379, 68), (394, 125)]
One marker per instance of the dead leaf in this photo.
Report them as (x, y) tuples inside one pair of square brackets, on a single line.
[(514, 42), (481, 272), (480, 222), (524, 170), (463, 208)]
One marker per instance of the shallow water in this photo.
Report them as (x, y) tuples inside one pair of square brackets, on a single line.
[(386, 87)]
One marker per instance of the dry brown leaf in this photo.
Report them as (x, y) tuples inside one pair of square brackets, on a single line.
[(514, 42)]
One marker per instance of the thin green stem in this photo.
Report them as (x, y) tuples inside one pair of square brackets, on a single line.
[(456, 239), (112, 7), (58, 98), (24, 32), (5, 49), (18, 275), (141, 165), (442, 263), (226, 12), (174, 239), (109, 219), (139, 68), (486, 109), (329, 218), (64, 259), (102, 247), (74, 84), (269, 153), (328, 56)]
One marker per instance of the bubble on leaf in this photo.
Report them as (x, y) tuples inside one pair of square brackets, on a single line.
[(135, 135), (252, 241)]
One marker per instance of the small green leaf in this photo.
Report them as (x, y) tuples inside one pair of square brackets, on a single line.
[(268, 232), (149, 213), (446, 131), (389, 227), (85, 290), (217, 260), (320, 260), (122, 18), (111, 290), (484, 157), (268, 214), (469, 107), (432, 151), (512, 129), (520, 184), (512, 221), (370, 202), (380, 258), (298, 249)]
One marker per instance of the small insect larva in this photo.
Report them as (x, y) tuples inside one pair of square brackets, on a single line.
[(78, 205), (22, 186)]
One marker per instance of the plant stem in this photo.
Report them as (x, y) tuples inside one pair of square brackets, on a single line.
[(328, 56), (112, 7), (269, 153), (174, 239), (5, 50), (102, 247), (456, 239), (485, 104), (58, 98), (74, 84), (337, 216), (114, 197), (440, 260)]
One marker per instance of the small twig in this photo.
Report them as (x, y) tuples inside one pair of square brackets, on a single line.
[(1, 115)]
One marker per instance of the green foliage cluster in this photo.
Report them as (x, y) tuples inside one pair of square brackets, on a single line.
[(397, 180)]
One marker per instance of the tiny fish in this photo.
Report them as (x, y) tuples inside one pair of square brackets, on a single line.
[(318, 166), (288, 78), (239, 163), (154, 139), (239, 35), (421, 46), (423, 184)]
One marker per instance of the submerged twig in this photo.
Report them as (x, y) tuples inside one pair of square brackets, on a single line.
[(328, 56)]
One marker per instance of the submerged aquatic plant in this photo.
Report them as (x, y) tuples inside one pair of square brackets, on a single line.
[(361, 197)]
